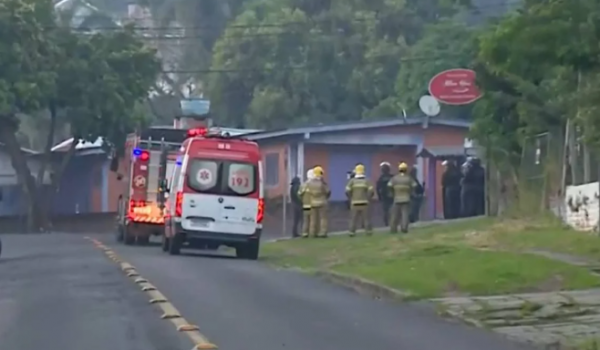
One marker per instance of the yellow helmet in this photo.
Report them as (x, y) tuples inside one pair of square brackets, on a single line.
[(318, 171), (359, 169), (402, 166)]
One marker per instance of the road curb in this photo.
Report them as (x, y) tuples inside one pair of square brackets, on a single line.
[(364, 286)]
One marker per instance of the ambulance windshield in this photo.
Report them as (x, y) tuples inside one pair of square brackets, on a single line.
[(222, 177)]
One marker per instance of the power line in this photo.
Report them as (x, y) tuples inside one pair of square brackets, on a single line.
[(478, 9), (292, 68)]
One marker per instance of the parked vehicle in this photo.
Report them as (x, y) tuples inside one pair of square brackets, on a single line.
[(215, 195), (149, 156)]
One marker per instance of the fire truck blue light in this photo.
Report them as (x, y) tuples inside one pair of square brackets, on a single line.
[(137, 152)]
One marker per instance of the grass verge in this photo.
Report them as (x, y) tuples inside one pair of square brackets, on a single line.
[(479, 257)]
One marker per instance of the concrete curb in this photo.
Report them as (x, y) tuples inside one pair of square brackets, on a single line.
[(363, 286)]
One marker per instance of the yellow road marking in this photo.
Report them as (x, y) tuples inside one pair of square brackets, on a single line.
[(126, 267), (170, 313), (148, 287)]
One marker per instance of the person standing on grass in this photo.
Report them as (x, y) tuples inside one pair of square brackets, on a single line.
[(319, 198), (451, 189), (304, 196), (296, 205), (383, 191), (416, 196), (359, 191), (402, 186)]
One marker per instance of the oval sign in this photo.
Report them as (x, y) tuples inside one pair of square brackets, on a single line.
[(455, 87)]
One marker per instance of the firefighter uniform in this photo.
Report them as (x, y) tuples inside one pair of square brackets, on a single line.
[(359, 191), (319, 196), (304, 195), (402, 186)]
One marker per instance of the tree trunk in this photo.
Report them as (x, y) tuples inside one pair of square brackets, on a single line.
[(58, 171), (36, 221), (48, 149), (45, 161)]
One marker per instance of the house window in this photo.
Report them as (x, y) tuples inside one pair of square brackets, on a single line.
[(272, 169)]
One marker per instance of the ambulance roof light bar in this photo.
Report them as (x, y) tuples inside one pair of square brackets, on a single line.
[(197, 132), (205, 132)]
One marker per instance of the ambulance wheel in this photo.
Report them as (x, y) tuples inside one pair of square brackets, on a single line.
[(165, 244), (175, 244), (248, 251), (128, 237)]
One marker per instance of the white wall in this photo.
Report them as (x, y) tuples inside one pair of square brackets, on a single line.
[(581, 207)]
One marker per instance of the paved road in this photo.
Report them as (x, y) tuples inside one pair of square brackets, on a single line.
[(59, 292), (238, 305)]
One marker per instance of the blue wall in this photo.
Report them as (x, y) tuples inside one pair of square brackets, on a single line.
[(74, 193), (12, 201)]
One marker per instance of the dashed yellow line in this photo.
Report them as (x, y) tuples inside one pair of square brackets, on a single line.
[(170, 313)]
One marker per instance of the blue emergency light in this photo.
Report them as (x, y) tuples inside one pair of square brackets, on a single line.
[(142, 155)]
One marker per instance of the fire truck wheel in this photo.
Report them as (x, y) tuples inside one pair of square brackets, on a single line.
[(128, 237), (175, 244), (120, 233), (248, 251), (165, 244), (143, 240)]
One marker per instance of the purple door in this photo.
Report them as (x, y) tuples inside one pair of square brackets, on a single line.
[(340, 163)]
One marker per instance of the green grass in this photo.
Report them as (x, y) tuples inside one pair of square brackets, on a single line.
[(440, 260), (552, 238)]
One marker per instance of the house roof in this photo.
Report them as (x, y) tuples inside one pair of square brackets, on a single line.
[(81, 145), (85, 145), (23, 149), (449, 151), (355, 126)]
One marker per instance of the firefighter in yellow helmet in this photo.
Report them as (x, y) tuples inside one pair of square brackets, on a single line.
[(304, 195), (402, 186), (319, 196), (359, 191)]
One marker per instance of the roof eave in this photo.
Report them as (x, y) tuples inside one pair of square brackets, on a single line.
[(356, 126)]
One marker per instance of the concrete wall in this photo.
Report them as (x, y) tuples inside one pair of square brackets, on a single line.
[(581, 208)]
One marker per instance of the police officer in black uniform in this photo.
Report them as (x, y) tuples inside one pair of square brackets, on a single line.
[(384, 194), (479, 188), (472, 188), (416, 196), (451, 189), (296, 206)]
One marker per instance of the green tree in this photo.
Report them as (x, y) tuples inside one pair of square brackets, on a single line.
[(534, 58), (93, 82), (445, 45), (324, 62)]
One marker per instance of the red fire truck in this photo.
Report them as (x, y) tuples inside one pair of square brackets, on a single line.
[(149, 157)]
